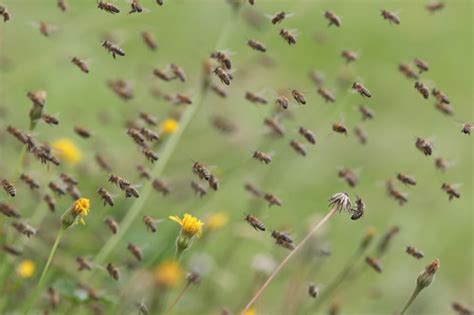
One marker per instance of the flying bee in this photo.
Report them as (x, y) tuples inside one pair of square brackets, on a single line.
[(390, 16), (56, 189), (298, 147), (213, 183), (150, 223), (80, 64), (272, 200), (255, 223), (160, 73), (332, 18), (350, 56), (275, 126), (9, 188), (361, 135), (440, 96), (361, 89), (113, 48), (178, 72), (445, 108), (358, 210), (218, 90), (136, 136), (135, 7), (255, 98), (366, 112), (326, 95), (256, 45), (349, 176), (121, 88), (224, 125), (435, 6), (307, 134), (112, 224), (131, 191), (313, 290), (317, 77), (374, 263), (113, 271), (408, 71), (135, 251), (451, 191), (421, 65), (442, 164), (288, 36), (424, 146), (9, 211), (11, 250), (279, 17), (149, 154), (149, 119), (103, 164), (182, 99), (24, 229), (37, 97), (62, 5), (282, 101), (282, 237), (82, 132), (45, 29), (161, 186), (423, 89), (223, 59), (70, 181), (83, 263), (143, 172), (466, 128), (122, 183), (50, 201), (262, 157), (199, 189), (223, 75), (406, 179), (299, 97), (160, 2), (339, 128), (201, 171), (256, 192), (108, 7), (33, 184), (50, 120), (412, 251), (401, 197), (461, 309), (4, 13), (53, 297), (105, 196)]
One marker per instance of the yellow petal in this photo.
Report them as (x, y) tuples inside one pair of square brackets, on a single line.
[(176, 219)]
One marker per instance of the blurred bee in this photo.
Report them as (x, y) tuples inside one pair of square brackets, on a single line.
[(150, 223), (313, 291), (435, 6), (298, 147), (149, 40), (135, 7), (407, 180), (50, 201), (442, 164), (131, 191), (256, 45), (374, 263), (113, 271), (349, 176), (214, 183), (423, 89), (262, 157), (83, 263), (113, 48), (62, 5), (121, 88), (24, 229), (112, 224), (408, 71), (161, 186), (50, 120), (103, 164), (424, 146), (440, 96), (105, 196), (108, 7), (444, 108), (307, 134), (255, 98), (142, 308), (361, 135), (149, 119), (333, 19), (412, 251), (361, 89), (74, 192), (4, 13), (317, 77), (33, 184), (451, 191), (278, 17), (461, 309), (53, 297), (253, 190), (466, 128), (160, 73), (70, 181), (160, 2), (122, 183), (45, 29), (56, 189), (143, 172), (219, 91), (37, 97), (80, 64), (82, 132), (178, 72), (272, 200), (255, 223), (224, 76), (421, 65), (199, 190), (366, 112), (11, 250), (251, 2), (135, 251), (223, 59), (91, 292), (182, 99), (275, 126), (350, 56), (282, 101), (339, 128), (149, 154), (222, 124), (201, 171), (136, 136), (9, 188), (391, 17), (396, 194), (299, 98), (18, 134), (288, 36), (326, 95), (282, 237)]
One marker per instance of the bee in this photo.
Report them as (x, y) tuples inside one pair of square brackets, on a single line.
[(408, 71), (251, 2), (74, 192), (460, 308), (412, 251), (37, 97), (121, 88), (262, 157), (299, 97), (223, 124), (317, 77), (9, 188), (136, 7), (24, 229), (50, 120), (213, 183), (440, 96), (68, 179), (401, 197), (113, 48), (257, 192), (391, 17), (82, 132), (160, 2), (56, 189), (333, 19), (131, 191), (350, 56), (421, 65), (366, 112), (80, 64), (149, 40), (272, 200), (442, 164), (444, 108), (424, 146), (143, 172), (423, 89), (50, 201), (53, 297), (255, 98), (11, 250), (161, 186), (223, 59), (349, 176), (326, 95), (298, 147), (451, 191), (122, 183), (182, 99), (105, 196), (201, 171), (112, 224), (199, 190), (361, 135), (282, 101), (219, 91), (278, 17), (150, 223), (288, 36), (20, 135), (313, 291), (108, 7), (339, 128), (255, 223), (361, 89), (33, 184), (307, 134), (282, 237), (135, 251), (9, 211), (256, 45), (374, 263), (149, 119), (103, 164), (406, 179), (83, 263), (160, 73), (113, 271), (62, 5), (4, 13), (45, 29), (223, 75), (149, 154), (358, 210), (435, 6), (178, 72), (275, 126), (466, 128)]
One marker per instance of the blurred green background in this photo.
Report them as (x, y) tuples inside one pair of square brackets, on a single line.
[(187, 32)]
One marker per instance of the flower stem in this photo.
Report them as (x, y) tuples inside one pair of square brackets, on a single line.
[(411, 299), (180, 295), (287, 258)]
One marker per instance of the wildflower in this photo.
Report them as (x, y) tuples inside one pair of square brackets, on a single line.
[(168, 273), (340, 201), (190, 227), (250, 311), (217, 220), (26, 269), (76, 213), (67, 150), (169, 126)]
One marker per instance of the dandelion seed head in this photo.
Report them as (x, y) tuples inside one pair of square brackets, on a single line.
[(340, 201)]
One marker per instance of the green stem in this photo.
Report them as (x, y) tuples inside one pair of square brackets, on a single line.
[(180, 295), (411, 299)]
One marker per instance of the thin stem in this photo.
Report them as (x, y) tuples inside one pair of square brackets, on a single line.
[(287, 258), (411, 299), (180, 295)]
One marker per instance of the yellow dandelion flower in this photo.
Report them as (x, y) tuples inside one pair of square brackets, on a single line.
[(168, 274), (169, 126), (67, 150), (217, 220), (76, 213), (190, 225), (26, 269), (250, 311)]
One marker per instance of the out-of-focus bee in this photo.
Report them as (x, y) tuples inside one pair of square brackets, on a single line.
[(361, 134), (423, 89), (62, 5), (201, 171), (406, 179), (37, 97), (349, 176), (4, 13), (149, 40), (223, 124), (374, 263), (424, 146), (460, 308), (326, 95), (421, 65), (358, 210), (272, 200), (82, 132), (182, 99), (435, 6), (349, 55), (103, 164), (135, 7), (70, 181), (298, 147), (9, 211), (160, 2), (122, 183), (83, 263), (442, 164), (223, 75), (408, 71), (135, 251), (50, 120), (313, 290), (255, 223), (53, 297), (339, 128), (43, 154), (112, 224), (445, 108), (50, 201), (150, 223), (108, 7), (161, 186), (223, 59), (131, 191), (282, 236), (91, 292), (213, 182), (361, 89), (256, 45), (412, 251), (275, 126), (255, 191), (299, 97), (199, 189), (80, 64), (105, 196), (113, 48), (142, 308), (218, 90), (160, 73), (121, 88), (136, 136), (390, 16), (279, 17), (11, 250), (113, 271), (366, 112), (56, 189), (74, 192), (143, 172), (262, 157), (440, 96), (149, 119), (466, 128), (178, 72), (20, 135), (401, 197), (332, 18), (45, 29), (255, 98), (451, 191), (33, 184), (288, 36), (149, 154), (24, 228), (317, 77), (281, 101), (9, 188), (307, 134)]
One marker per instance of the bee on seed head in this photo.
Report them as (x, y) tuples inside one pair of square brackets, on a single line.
[(374, 263), (307, 134), (112, 224), (424, 146), (122, 183), (421, 65), (50, 201), (332, 18), (80, 64), (262, 157), (83, 263), (113, 271), (390, 16), (108, 7), (272, 200), (9, 188), (423, 89), (435, 6), (256, 45), (199, 189), (135, 251), (406, 179), (275, 126), (298, 96), (412, 251), (223, 75), (339, 128), (150, 223), (366, 112), (350, 56), (161, 186), (113, 48), (4, 13), (358, 210), (451, 191), (361, 89), (288, 36), (82, 132), (62, 5), (298, 147), (201, 171), (408, 71), (105, 196), (440, 96), (255, 223), (361, 135)]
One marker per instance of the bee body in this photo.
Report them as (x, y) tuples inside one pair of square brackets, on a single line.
[(219, 91), (366, 112), (149, 119), (272, 200), (255, 98), (256, 45), (82, 132), (313, 291), (62, 5), (108, 7), (135, 7), (33, 184), (9, 188), (451, 191), (256, 192), (150, 223), (412, 251), (149, 40), (339, 128), (282, 101), (332, 18), (50, 201), (406, 179), (361, 89), (50, 120), (105, 196), (262, 157), (122, 183), (113, 271), (288, 36), (4, 14), (424, 146), (278, 17), (391, 17), (80, 64), (149, 154), (113, 49), (24, 229), (440, 96), (423, 89), (349, 176), (408, 71), (421, 65), (361, 135), (466, 128), (135, 251), (435, 6), (350, 56), (374, 263), (307, 134), (299, 97), (112, 224), (56, 189), (9, 211), (161, 186), (298, 147), (326, 95), (213, 183), (358, 210), (223, 59), (83, 263), (255, 223), (223, 75), (201, 171), (275, 126)]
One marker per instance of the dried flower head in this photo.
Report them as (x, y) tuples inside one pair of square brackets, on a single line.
[(340, 201)]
